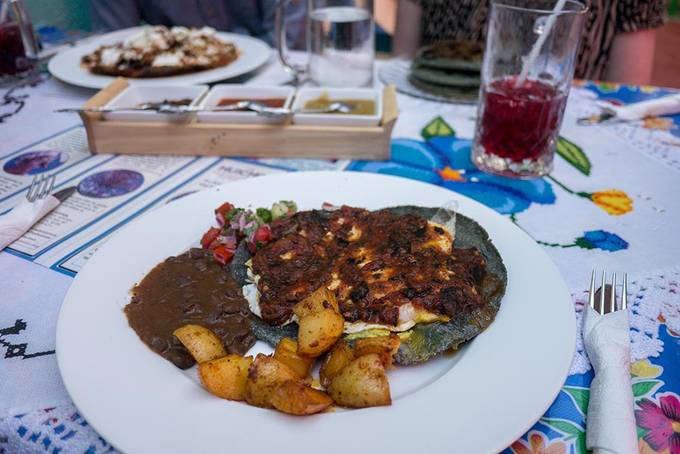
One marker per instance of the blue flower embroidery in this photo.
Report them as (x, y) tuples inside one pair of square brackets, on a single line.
[(600, 239), (445, 161)]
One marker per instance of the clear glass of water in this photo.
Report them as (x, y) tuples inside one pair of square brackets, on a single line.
[(340, 43)]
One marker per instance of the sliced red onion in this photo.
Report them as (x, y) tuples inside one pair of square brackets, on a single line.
[(327, 206)]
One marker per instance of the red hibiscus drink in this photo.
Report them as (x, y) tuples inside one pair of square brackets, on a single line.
[(520, 113), (519, 124), (12, 54)]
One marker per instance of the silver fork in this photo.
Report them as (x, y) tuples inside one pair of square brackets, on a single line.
[(41, 187), (623, 304)]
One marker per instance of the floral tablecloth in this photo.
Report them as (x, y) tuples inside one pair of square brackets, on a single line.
[(611, 202)]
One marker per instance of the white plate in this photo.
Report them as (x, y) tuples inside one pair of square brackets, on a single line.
[(134, 95), (306, 94), (477, 401), (66, 65), (239, 91)]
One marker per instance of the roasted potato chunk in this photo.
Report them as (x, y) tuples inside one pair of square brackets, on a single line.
[(264, 376), (203, 344), (363, 383), (286, 352), (320, 299), (337, 359), (296, 398), (385, 346), (317, 332), (226, 377)]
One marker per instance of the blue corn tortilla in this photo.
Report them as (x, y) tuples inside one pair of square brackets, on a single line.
[(423, 341), (448, 68)]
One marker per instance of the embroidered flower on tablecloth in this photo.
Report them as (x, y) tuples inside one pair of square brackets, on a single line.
[(657, 123), (613, 201), (444, 160), (661, 422), (649, 89), (603, 240), (538, 444), (645, 369), (608, 87)]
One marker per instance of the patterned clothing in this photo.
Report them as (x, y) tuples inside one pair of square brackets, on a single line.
[(247, 17), (466, 19)]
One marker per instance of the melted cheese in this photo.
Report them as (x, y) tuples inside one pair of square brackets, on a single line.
[(442, 241), (409, 316)]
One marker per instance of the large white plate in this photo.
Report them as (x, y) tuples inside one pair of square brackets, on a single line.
[(66, 65), (479, 400)]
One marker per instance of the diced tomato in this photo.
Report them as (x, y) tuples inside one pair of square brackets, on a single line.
[(221, 213), (225, 208), (251, 247), (210, 236), (222, 254), (263, 234)]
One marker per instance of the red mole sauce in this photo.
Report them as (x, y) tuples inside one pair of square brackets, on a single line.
[(379, 271), (190, 288)]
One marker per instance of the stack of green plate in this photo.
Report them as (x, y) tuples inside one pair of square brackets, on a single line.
[(448, 68)]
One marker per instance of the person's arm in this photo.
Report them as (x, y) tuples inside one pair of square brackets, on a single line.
[(631, 58), (406, 39), (114, 15)]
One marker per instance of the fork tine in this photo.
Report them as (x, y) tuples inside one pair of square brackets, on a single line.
[(612, 295), (591, 295), (38, 186), (43, 187), (47, 187), (603, 286), (29, 194), (624, 292)]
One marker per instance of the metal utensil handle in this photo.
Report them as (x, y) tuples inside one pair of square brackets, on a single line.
[(103, 109), (300, 72)]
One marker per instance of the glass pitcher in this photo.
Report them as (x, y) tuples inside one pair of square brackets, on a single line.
[(340, 43)]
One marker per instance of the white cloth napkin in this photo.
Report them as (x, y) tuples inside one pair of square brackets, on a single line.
[(22, 217), (610, 424), (666, 105)]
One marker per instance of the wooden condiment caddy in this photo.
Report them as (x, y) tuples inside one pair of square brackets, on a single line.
[(244, 140)]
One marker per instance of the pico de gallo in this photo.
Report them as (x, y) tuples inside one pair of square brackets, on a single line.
[(239, 224)]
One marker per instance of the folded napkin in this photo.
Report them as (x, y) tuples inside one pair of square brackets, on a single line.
[(666, 105), (610, 424), (22, 217)]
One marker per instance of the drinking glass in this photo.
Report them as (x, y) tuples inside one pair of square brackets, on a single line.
[(340, 42), (518, 119), (18, 44), (12, 54)]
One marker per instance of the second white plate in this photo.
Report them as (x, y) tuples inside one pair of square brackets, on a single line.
[(66, 65)]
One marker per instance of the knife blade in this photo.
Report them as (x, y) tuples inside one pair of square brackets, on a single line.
[(64, 194)]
